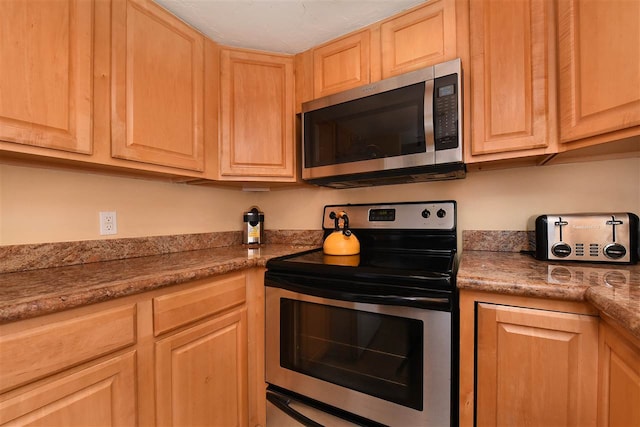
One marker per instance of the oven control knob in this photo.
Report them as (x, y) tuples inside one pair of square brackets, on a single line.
[(561, 250), (441, 213), (426, 213), (615, 251)]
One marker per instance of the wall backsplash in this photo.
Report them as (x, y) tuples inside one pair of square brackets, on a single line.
[(41, 205)]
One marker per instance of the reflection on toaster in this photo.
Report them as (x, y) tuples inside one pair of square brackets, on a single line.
[(563, 274)]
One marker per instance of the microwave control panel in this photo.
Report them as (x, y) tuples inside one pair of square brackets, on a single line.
[(445, 112)]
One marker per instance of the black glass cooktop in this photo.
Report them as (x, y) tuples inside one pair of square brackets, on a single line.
[(432, 268)]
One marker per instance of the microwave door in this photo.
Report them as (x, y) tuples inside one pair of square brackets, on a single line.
[(391, 130)]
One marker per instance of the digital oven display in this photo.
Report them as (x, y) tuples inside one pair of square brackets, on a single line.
[(382, 215)]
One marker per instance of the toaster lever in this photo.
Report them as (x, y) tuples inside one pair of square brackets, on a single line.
[(613, 222), (560, 223)]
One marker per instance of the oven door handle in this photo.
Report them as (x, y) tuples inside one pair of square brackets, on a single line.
[(282, 403), (435, 302)]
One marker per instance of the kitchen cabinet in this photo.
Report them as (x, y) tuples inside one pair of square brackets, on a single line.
[(65, 369), (202, 374), (418, 38), (535, 361), (422, 36), (157, 84), (341, 64), (201, 371), (189, 354), (46, 80), (599, 70), (512, 79), (257, 129), (619, 377)]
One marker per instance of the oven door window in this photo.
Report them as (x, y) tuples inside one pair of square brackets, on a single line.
[(376, 354)]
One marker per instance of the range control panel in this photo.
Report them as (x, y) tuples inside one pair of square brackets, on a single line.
[(440, 215), (602, 237)]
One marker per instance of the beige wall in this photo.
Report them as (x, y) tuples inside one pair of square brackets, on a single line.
[(40, 205)]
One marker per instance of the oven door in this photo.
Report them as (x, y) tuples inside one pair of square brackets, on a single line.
[(387, 363)]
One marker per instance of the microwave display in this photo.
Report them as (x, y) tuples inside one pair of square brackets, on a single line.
[(386, 125)]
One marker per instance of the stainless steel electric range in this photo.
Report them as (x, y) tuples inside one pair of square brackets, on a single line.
[(372, 338)]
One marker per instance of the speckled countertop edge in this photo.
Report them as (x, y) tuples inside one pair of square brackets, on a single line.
[(613, 289), (38, 292)]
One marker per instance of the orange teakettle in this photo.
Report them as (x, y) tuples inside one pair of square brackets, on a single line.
[(341, 241)]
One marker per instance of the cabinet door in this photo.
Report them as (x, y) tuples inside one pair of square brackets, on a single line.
[(599, 64), (100, 395), (535, 367), (257, 117), (619, 393), (45, 83), (341, 64), (201, 374), (511, 77), (419, 38), (157, 87)]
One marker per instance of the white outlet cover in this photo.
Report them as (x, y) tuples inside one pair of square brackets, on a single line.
[(108, 223)]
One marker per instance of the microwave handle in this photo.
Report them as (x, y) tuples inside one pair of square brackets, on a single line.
[(282, 403), (428, 117)]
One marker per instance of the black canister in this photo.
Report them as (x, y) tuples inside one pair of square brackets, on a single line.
[(253, 231)]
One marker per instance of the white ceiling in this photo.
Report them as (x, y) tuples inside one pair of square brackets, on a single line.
[(286, 26)]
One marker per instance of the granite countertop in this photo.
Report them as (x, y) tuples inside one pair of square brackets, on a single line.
[(34, 293), (612, 289)]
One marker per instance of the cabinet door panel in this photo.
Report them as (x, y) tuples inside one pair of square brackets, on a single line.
[(257, 131), (619, 393), (66, 343), (419, 38), (46, 56), (157, 87), (342, 64), (599, 63), (535, 367), (510, 69), (201, 374), (103, 394)]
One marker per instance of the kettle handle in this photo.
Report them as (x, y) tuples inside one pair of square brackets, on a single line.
[(336, 217)]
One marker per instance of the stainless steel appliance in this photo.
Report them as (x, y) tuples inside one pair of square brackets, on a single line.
[(370, 338), (402, 129), (601, 237)]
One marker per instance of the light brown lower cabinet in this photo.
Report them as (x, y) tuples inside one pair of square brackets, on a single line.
[(201, 374), (619, 377), (534, 361), (187, 355)]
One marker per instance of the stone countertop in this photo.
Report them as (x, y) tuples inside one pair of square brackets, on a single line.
[(37, 292), (612, 289)]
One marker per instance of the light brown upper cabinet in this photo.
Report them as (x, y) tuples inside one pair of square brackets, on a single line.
[(46, 51), (157, 87), (418, 38), (341, 64), (512, 79), (599, 66), (256, 138)]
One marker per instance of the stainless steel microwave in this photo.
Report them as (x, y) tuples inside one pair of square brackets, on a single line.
[(402, 129)]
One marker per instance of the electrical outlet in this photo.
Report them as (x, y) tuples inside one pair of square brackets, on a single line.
[(108, 223)]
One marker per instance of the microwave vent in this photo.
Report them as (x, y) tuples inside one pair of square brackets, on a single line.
[(422, 174)]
